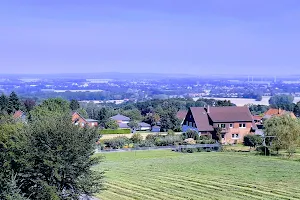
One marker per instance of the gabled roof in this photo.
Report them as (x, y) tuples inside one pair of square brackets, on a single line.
[(18, 114), (201, 119), (230, 114), (79, 116), (119, 117), (143, 124), (277, 112), (181, 114), (274, 111), (123, 125)]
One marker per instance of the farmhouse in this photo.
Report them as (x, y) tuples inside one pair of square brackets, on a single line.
[(77, 119), (272, 112), (232, 122)]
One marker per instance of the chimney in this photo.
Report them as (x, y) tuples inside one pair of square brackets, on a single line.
[(208, 109)]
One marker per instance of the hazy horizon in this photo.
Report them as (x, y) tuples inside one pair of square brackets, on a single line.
[(194, 37)]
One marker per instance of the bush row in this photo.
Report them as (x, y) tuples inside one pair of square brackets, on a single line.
[(115, 131)]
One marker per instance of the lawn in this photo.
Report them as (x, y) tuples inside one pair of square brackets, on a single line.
[(163, 174)]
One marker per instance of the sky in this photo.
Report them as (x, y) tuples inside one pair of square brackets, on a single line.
[(159, 36)]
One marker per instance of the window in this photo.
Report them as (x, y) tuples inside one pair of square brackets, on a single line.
[(242, 125), (221, 125), (82, 124), (223, 136), (191, 124), (93, 124), (235, 136), (230, 125)]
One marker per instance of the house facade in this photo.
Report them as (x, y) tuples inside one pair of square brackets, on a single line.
[(232, 122)]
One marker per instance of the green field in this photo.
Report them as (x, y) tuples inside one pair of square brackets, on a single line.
[(162, 174)]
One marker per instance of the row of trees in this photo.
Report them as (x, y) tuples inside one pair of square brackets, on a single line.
[(48, 157), (10, 104)]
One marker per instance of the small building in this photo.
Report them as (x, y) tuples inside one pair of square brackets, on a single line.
[(77, 119), (272, 112), (144, 126), (20, 115), (155, 129)]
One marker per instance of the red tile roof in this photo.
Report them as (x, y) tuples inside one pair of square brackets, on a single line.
[(181, 114), (278, 112), (257, 117), (18, 114)]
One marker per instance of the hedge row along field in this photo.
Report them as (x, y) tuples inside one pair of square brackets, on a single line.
[(115, 131), (163, 174)]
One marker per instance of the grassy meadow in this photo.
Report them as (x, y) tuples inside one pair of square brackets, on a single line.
[(163, 174)]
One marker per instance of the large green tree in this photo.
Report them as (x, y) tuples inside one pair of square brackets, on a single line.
[(12, 144), (283, 132), (59, 155), (49, 157), (74, 105), (282, 101)]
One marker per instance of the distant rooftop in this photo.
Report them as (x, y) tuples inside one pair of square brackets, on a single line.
[(119, 117)]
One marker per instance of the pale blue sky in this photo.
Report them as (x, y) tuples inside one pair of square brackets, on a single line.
[(159, 36)]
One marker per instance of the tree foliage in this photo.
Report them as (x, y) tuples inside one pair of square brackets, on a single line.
[(251, 140), (74, 105), (285, 132), (3, 103), (14, 103), (111, 124), (257, 109), (137, 138), (282, 101), (190, 134), (29, 104), (133, 125), (50, 157)]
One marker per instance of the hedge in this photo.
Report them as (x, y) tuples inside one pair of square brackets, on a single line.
[(115, 131)]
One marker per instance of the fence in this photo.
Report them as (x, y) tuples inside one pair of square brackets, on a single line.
[(215, 146)]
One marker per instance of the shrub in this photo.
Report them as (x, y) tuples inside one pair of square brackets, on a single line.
[(207, 141), (117, 142), (171, 132), (252, 140), (190, 134), (115, 131), (146, 143), (167, 140), (262, 150), (137, 138), (152, 137)]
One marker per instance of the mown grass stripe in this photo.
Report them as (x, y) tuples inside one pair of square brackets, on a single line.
[(275, 193)]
